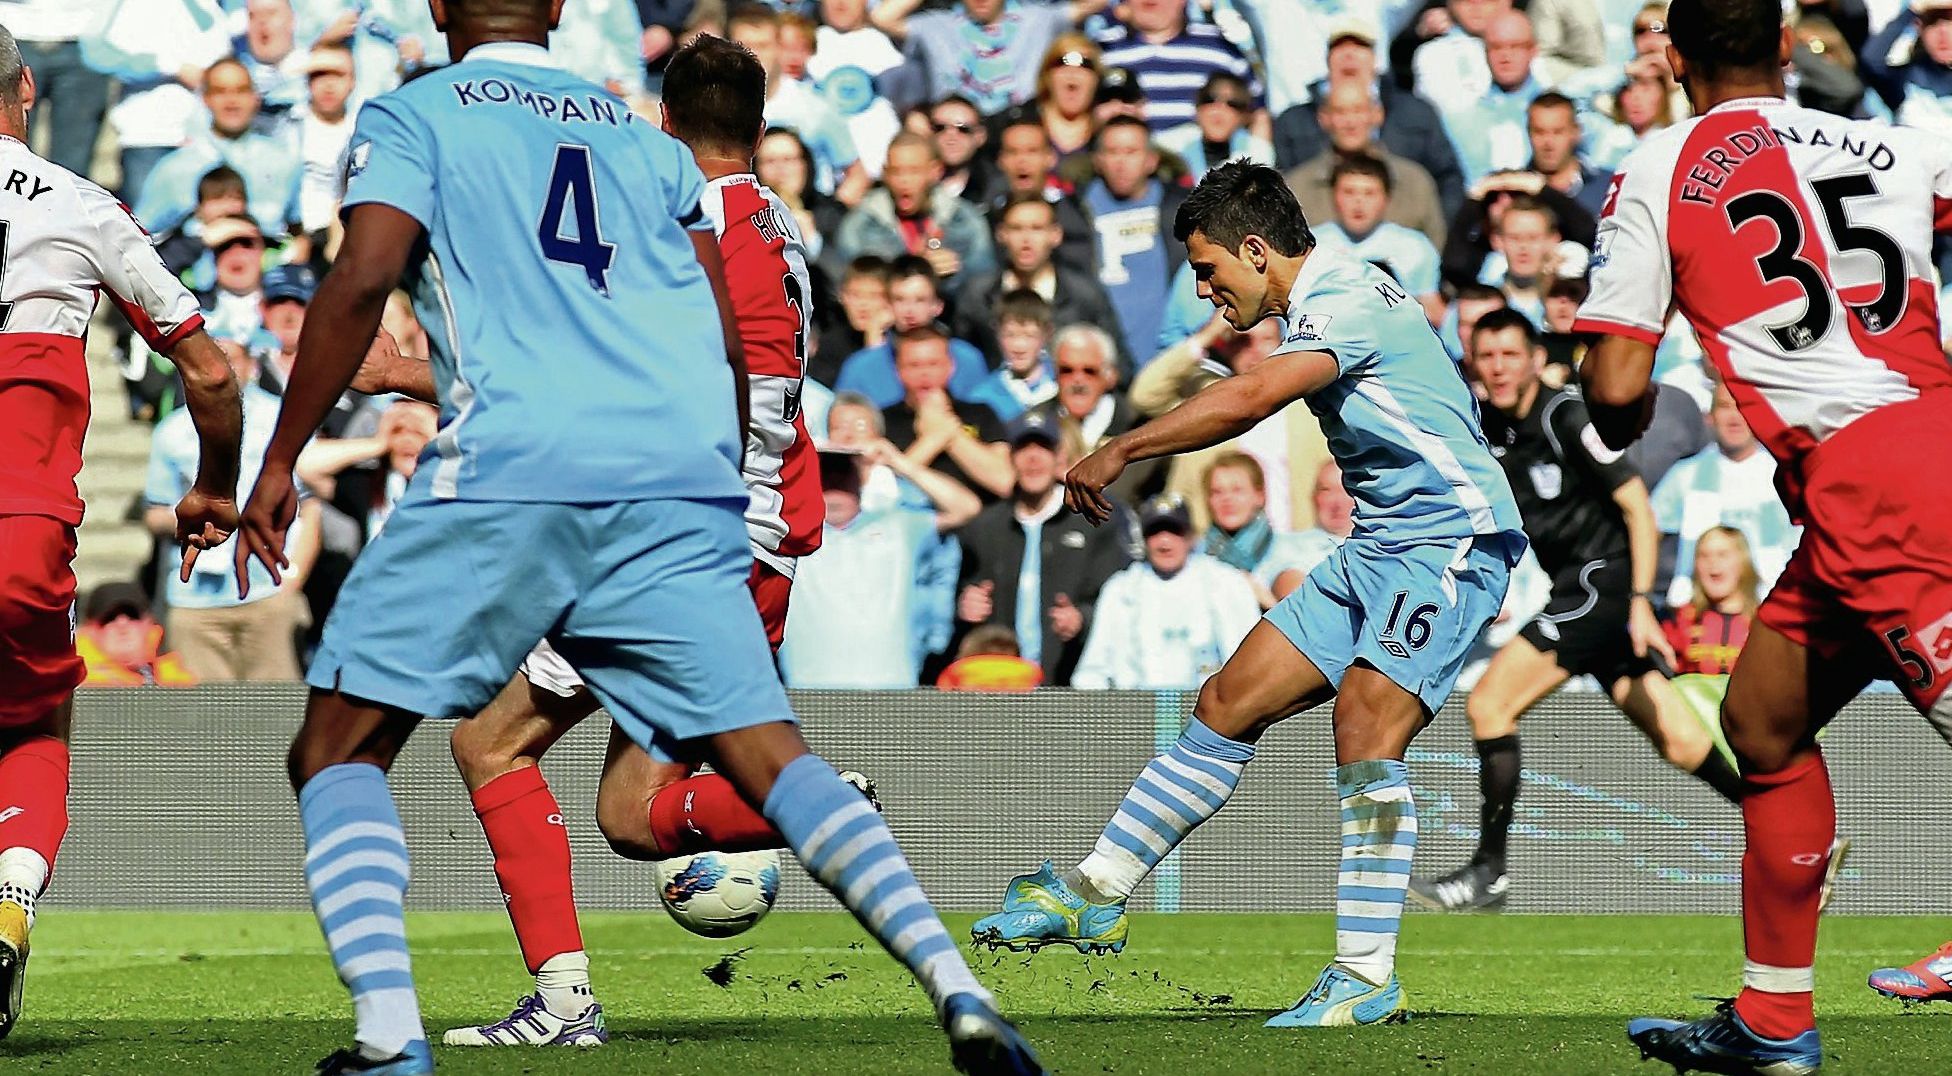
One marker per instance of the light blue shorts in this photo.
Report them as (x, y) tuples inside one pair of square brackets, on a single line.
[(1412, 610), (647, 599)]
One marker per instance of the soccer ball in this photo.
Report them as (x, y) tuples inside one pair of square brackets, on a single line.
[(719, 894)]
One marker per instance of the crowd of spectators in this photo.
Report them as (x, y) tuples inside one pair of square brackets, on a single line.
[(987, 190)]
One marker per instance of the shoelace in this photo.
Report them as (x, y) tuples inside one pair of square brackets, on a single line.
[(524, 1010)]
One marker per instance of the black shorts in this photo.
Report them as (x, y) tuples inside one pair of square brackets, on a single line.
[(1584, 623)]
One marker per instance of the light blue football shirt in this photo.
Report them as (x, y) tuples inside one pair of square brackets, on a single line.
[(1399, 421), (1403, 253), (576, 340)]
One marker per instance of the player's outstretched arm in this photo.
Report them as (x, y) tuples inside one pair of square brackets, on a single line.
[(339, 329), (1221, 411), (207, 514), (1617, 376)]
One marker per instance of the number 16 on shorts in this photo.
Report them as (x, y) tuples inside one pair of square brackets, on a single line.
[(1415, 627)]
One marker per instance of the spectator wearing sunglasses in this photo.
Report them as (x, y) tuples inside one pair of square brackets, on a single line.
[(960, 137), (1171, 58), (1219, 131)]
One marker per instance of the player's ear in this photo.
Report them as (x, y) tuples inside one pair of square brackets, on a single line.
[(555, 13), (28, 93), (1680, 66), (1786, 46), (438, 8)]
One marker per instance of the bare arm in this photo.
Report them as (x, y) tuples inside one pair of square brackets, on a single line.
[(954, 504), (706, 245), (318, 466), (304, 553), (891, 17), (385, 369), (1617, 375), (207, 514), (1644, 553), (986, 463)]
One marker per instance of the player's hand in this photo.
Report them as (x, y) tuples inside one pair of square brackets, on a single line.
[(976, 603), (203, 521), (944, 261), (261, 529), (411, 50), (1434, 22), (935, 418), (1067, 620), (1645, 628), (1084, 485), (376, 370)]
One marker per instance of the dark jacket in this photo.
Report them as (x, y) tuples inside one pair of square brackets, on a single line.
[(1411, 128), (1079, 298), (1077, 558), (1470, 234), (1141, 479)]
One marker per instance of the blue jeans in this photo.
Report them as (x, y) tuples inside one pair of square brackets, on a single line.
[(73, 99)]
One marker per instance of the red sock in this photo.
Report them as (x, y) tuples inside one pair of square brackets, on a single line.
[(705, 813), (531, 845), (34, 796), (1790, 819)]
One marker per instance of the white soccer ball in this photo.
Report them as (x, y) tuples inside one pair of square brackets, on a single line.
[(719, 894)]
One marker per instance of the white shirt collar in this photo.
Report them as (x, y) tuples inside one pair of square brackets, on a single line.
[(1750, 102), (513, 52), (1318, 263)]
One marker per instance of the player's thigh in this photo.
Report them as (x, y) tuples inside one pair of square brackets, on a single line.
[(444, 604), (1783, 692), (1657, 709), (1267, 679), (1375, 716), (523, 721), (1425, 605), (39, 668), (666, 633), (1519, 675)]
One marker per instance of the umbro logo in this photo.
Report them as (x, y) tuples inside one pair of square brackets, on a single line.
[(1809, 859), (12, 813)]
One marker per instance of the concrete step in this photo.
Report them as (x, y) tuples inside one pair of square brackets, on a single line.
[(109, 551)]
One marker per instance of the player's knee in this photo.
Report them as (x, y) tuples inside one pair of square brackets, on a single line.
[(1225, 711), (625, 823), (477, 754), (1490, 718), (1759, 744)]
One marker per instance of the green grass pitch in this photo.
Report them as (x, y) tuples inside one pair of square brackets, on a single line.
[(163, 992)]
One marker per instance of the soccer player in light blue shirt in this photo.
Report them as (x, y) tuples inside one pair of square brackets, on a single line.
[(584, 486), (1381, 626)]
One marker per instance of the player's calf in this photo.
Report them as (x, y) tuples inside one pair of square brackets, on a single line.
[(33, 820)]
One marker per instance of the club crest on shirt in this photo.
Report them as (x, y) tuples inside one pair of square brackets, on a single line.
[(1548, 480), (1309, 327), (358, 159)]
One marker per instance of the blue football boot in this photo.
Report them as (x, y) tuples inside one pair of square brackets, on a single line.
[(1039, 910), (1341, 998), (983, 1043), (415, 1060), (1722, 1043)]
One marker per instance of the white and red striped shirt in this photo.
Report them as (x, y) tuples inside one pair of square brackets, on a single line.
[(1798, 245), (772, 296), (63, 242)]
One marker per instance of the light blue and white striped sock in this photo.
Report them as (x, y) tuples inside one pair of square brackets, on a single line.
[(1379, 839), (356, 869), (847, 847), (1174, 793)]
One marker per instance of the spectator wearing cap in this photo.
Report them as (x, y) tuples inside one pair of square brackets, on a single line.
[(268, 49), (1027, 377), (223, 636), (990, 659), (1218, 132), (1410, 126), (1490, 130), (288, 291), (1031, 567), (121, 644), (1362, 193), (221, 254), (1288, 444), (71, 97), (1169, 621), (1028, 164), (1909, 64), (1028, 233), (911, 213), (985, 50), (838, 169), (1132, 212), (1173, 58), (269, 163), (234, 305), (324, 130), (1240, 535), (914, 302), (962, 440), (857, 69), (960, 137), (855, 599), (1351, 115)]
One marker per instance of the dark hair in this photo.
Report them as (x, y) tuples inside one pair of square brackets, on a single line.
[(957, 99), (222, 179), (871, 265), (1116, 123), (1568, 287), (1480, 292), (1716, 36), (1526, 203), (1506, 318), (753, 14), (806, 155), (1024, 198), (715, 94), (913, 265), (1210, 89), (1024, 119), (1554, 99), (1239, 199), (1361, 164), (1022, 304), (920, 334)]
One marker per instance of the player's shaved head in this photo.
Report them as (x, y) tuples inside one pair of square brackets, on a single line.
[(715, 97), (12, 68), (473, 22), (1718, 37)]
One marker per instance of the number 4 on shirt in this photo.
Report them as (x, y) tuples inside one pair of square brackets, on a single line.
[(571, 185)]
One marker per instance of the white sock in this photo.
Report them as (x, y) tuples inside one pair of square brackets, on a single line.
[(563, 981), (23, 874)]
